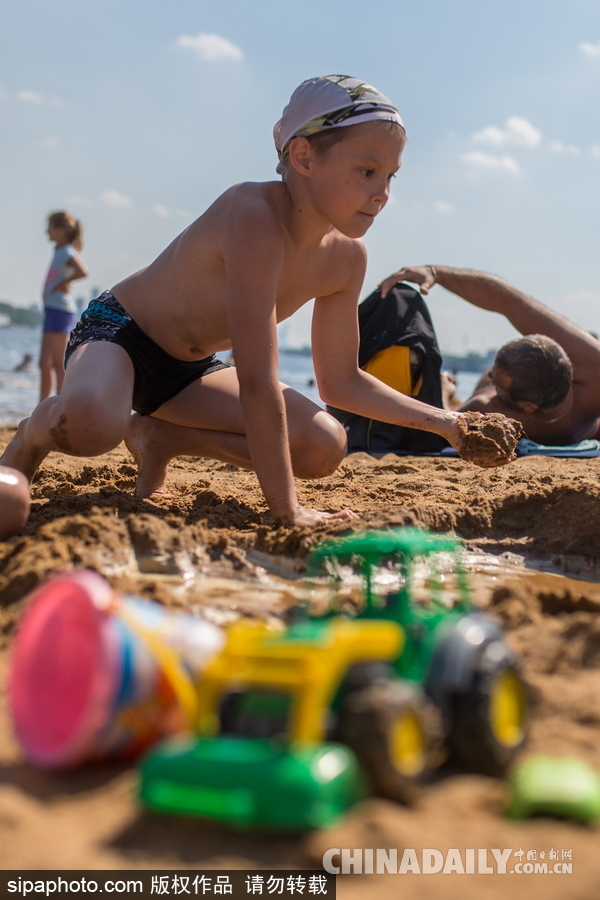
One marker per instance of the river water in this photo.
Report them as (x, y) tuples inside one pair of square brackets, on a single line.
[(19, 390)]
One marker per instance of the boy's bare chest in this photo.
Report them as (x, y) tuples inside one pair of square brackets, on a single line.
[(301, 280)]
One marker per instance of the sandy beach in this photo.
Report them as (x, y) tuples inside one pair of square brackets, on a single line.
[(532, 530)]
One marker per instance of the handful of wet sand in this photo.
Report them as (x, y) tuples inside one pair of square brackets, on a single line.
[(488, 439)]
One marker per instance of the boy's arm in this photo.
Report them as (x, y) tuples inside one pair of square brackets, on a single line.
[(523, 312), (342, 384), (253, 250)]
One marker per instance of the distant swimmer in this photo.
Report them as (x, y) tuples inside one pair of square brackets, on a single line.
[(547, 380), (25, 364)]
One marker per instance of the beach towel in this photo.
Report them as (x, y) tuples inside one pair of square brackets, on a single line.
[(525, 447), (583, 449)]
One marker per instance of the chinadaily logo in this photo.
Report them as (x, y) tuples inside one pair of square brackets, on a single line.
[(429, 861)]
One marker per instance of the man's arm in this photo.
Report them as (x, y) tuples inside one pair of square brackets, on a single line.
[(523, 312)]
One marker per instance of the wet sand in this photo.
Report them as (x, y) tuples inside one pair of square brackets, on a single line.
[(209, 543)]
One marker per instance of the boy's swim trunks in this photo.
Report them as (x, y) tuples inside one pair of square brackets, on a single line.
[(158, 375)]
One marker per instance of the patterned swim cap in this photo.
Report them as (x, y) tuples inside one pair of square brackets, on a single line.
[(330, 101)]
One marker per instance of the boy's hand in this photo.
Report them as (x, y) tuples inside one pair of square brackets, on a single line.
[(305, 516), (424, 276), (485, 439)]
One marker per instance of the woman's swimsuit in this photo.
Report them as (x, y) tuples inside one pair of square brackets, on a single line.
[(158, 375)]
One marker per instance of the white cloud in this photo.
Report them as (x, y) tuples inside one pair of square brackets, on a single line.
[(165, 213), (592, 50), (50, 142), (493, 163), (517, 132), (114, 198), (563, 149), (583, 295), (210, 46), (76, 200), (29, 97), (444, 207), (595, 151)]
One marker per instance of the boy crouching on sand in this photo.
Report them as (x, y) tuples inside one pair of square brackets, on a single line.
[(251, 260)]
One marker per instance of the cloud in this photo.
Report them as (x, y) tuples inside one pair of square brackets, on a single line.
[(76, 200), (164, 213), (563, 149), (210, 46), (517, 132), (492, 163), (591, 50), (444, 207), (29, 97), (583, 295), (50, 142), (114, 198), (595, 151)]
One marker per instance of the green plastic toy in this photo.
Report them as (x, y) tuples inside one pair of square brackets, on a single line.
[(294, 727), (552, 786), (253, 782), (453, 654)]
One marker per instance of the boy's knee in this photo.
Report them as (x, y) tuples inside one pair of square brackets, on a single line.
[(87, 428), (322, 448)]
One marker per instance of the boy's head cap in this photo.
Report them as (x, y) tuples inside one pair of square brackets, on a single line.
[(330, 101)]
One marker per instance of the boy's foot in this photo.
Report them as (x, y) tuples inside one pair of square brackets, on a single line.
[(21, 454), (144, 444)]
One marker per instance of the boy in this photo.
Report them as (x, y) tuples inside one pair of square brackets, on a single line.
[(252, 259)]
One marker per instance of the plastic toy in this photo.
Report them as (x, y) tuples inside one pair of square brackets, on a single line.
[(454, 653), (96, 674), (551, 786), (335, 705), (271, 706)]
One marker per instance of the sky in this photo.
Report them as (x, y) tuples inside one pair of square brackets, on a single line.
[(136, 114)]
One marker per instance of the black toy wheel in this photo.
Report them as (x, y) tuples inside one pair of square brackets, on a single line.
[(489, 719), (395, 732)]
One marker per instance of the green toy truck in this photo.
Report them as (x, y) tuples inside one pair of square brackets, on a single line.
[(454, 653), (296, 726)]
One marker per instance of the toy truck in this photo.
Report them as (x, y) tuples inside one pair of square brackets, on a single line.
[(454, 652), (294, 727)]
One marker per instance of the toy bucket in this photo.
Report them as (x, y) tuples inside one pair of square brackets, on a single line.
[(95, 674)]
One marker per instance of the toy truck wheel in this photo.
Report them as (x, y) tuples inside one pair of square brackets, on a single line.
[(489, 719), (395, 732)]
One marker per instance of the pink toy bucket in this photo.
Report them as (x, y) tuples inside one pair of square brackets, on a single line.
[(97, 675)]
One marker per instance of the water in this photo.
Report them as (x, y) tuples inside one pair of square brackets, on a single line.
[(19, 390)]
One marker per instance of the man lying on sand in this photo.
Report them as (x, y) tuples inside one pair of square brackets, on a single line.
[(547, 380), (252, 259)]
